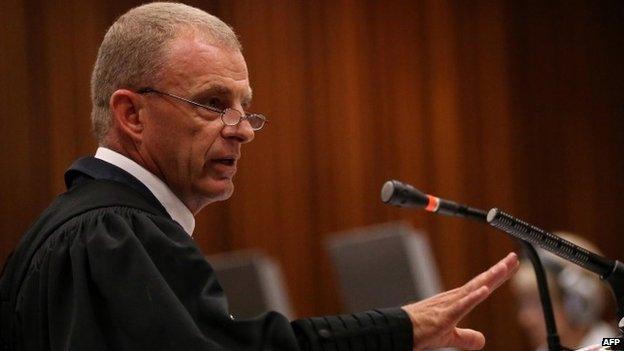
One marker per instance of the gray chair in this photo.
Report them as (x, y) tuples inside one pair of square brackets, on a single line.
[(385, 265), (252, 282)]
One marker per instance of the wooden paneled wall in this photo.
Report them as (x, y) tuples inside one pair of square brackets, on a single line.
[(516, 104)]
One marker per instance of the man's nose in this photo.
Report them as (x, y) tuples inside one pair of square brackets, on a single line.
[(242, 131)]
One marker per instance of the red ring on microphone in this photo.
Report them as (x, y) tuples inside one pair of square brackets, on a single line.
[(433, 204)]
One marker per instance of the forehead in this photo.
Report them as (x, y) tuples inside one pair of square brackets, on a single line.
[(194, 64)]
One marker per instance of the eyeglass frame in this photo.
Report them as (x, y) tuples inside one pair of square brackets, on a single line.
[(221, 112)]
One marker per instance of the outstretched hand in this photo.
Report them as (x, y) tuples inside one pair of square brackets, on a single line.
[(434, 320)]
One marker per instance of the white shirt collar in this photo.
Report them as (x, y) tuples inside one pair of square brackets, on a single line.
[(176, 208)]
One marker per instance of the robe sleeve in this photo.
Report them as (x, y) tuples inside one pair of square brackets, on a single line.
[(134, 281)]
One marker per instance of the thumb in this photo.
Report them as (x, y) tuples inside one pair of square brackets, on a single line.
[(468, 339)]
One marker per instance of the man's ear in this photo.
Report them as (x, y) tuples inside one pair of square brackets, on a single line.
[(125, 106)]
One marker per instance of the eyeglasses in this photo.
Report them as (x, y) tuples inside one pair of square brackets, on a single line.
[(229, 116)]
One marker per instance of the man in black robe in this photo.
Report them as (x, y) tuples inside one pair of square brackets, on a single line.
[(111, 265)]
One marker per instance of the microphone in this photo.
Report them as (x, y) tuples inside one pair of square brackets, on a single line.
[(399, 194), (611, 271), (550, 242)]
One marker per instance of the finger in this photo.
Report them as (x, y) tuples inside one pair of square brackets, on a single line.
[(462, 307), (468, 339), (492, 278), (495, 275), (511, 271)]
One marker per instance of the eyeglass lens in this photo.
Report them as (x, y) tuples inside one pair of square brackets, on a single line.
[(232, 117)]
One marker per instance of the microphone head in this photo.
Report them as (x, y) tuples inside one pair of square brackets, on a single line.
[(396, 193), (387, 190), (492, 214)]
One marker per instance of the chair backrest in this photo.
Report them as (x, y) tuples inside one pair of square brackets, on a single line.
[(384, 265), (252, 282)]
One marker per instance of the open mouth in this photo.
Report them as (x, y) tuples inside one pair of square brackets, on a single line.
[(225, 161)]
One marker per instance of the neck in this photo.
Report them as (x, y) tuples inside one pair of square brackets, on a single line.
[(133, 152)]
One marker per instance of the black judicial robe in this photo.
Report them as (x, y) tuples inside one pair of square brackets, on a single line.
[(106, 268)]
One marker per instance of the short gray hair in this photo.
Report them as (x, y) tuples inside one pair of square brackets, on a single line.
[(133, 52)]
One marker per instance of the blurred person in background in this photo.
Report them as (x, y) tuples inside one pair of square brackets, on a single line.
[(578, 298)]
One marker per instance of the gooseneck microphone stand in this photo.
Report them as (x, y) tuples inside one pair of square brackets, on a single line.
[(552, 336)]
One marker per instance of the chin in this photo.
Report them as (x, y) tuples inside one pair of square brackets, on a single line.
[(225, 195), (217, 191)]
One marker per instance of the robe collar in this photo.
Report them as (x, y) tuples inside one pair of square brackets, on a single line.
[(87, 168), (174, 206)]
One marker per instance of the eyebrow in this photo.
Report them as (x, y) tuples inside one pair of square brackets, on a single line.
[(221, 90)]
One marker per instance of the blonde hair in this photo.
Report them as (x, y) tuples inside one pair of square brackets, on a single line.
[(133, 52)]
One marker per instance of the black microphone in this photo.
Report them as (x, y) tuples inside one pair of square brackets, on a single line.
[(399, 194), (612, 271), (550, 242)]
